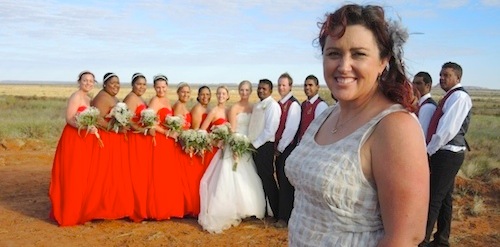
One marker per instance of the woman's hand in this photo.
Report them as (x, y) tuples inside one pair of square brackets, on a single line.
[(92, 130), (152, 131), (124, 129), (173, 134)]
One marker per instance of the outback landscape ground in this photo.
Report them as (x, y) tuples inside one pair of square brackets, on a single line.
[(31, 119)]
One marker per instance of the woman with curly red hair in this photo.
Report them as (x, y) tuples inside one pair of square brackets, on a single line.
[(360, 173)]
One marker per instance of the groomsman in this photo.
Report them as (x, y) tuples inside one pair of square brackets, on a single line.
[(446, 147), (312, 107), (263, 125), (284, 145), (426, 105)]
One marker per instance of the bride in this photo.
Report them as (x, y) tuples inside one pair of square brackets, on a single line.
[(229, 196)]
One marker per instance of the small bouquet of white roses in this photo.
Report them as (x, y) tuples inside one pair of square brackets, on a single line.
[(202, 143), (120, 116), (195, 142), (240, 144), (188, 141), (220, 134), (88, 119), (148, 119), (174, 124)]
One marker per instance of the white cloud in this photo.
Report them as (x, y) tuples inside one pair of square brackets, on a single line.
[(189, 40), (453, 4), (491, 3)]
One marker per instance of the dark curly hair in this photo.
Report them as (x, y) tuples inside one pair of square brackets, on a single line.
[(394, 83)]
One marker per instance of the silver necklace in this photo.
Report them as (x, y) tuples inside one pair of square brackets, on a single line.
[(338, 127)]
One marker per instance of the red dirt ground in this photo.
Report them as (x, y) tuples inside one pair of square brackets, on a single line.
[(25, 167)]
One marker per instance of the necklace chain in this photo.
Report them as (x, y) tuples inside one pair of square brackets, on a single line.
[(338, 127)]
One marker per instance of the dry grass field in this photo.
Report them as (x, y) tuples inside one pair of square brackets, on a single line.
[(31, 120)]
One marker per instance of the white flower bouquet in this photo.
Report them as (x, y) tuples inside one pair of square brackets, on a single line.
[(202, 142), (240, 144), (120, 115), (174, 124), (88, 119), (148, 119), (220, 134), (195, 142), (188, 141)]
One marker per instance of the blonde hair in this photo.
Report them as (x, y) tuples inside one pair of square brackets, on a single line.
[(182, 85), (225, 88), (245, 82)]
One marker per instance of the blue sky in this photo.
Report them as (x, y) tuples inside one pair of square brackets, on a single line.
[(224, 41)]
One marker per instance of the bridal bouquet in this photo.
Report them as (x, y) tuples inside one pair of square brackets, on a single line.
[(120, 115), (148, 119), (174, 124), (88, 119), (240, 144), (220, 134)]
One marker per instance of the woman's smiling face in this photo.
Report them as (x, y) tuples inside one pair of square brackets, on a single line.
[(352, 63)]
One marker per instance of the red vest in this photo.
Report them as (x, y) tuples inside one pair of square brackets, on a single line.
[(433, 124), (307, 116), (284, 113)]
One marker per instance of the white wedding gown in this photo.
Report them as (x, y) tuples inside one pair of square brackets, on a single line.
[(227, 196)]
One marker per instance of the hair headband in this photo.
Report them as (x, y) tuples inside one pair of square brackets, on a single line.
[(159, 77), (108, 76), (137, 75)]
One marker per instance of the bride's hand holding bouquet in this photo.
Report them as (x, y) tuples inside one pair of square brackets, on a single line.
[(240, 144)]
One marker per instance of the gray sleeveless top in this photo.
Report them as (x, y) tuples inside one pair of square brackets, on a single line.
[(334, 205)]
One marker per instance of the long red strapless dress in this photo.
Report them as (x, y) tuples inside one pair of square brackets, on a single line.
[(198, 160), (70, 170), (109, 194), (194, 169), (165, 198), (189, 173), (210, 155), (141, 158)]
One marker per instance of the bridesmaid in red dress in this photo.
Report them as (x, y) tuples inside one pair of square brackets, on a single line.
[(216, 116), (109, 195), (199, 113), (200, 110), (71, 164), (165, 198), (140, 148), (191, 197)]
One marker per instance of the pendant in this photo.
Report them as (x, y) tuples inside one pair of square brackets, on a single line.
[(334, 131)]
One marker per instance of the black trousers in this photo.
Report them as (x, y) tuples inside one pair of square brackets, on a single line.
[(264, 161), (444, 166), (286, 190)]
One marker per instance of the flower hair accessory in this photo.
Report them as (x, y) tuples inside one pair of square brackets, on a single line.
[(399, 36)]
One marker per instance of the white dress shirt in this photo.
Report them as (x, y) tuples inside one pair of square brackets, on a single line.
[(455, 110), (292, 123), (272, 113), (320, 107), (425, 112)]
